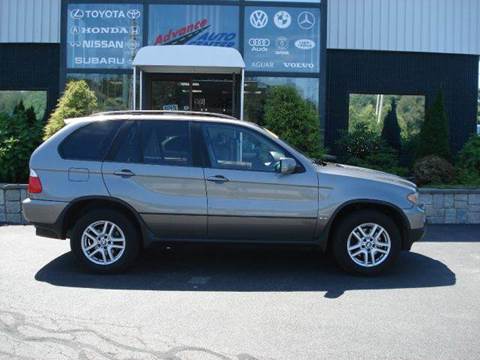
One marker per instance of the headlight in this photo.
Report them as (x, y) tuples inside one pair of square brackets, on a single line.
[(413, 198)]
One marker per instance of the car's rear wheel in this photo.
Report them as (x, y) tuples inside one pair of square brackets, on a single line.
[(366, 242), (105, 241)]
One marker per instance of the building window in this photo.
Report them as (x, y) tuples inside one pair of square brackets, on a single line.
[(257, 94), (282, 39), (103, 36), (209, 25), (371, 110), (35, 99), (113, 91)]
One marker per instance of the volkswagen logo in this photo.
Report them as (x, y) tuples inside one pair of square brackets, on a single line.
[(77, 13), (306, 20), (282, 19), (259, 19), (133, 14), (258, 42)]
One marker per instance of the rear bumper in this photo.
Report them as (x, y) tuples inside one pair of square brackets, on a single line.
[(45, 216)]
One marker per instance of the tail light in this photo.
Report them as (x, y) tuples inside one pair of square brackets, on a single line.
[(34, 183)]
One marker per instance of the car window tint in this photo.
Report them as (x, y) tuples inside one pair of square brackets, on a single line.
[(90, 142), (166, 143), (233, 147), (127, 147)]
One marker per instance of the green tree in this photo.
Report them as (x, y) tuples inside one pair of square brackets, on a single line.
[(391, 129), (77, 100), (434, 134), (20, 134), (294, 119)]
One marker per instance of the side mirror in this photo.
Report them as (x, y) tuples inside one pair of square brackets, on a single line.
[(287, 166)]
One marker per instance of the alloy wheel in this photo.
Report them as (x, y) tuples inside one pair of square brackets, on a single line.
[(369, 245), (103, 242)]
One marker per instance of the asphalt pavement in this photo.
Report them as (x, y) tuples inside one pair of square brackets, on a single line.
[(242, 303)]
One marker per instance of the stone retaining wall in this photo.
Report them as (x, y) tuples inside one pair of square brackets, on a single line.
[(11, 197), (451, 206), (443, 206)]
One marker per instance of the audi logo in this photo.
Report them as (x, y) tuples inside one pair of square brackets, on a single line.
[(259, 42)]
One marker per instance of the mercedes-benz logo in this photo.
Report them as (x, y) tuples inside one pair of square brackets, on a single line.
[(77, 13), (306, 20), (282, 19), (133, 13), (259, 19)]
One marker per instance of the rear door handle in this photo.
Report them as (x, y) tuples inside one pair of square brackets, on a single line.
[(219, 179), (124, 173)]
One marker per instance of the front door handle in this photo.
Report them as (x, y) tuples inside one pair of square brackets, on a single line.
[(219, 179), (124, 173)]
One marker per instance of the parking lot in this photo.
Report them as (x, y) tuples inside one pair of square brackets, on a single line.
[(240, 303)]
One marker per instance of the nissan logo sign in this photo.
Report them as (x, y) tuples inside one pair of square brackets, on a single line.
[(304, 44), (259, 42)]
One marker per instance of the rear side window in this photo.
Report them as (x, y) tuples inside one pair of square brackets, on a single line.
[(90, 142), (166, 143)]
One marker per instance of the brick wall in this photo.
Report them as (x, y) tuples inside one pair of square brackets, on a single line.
[(451, 206), (11, 197)]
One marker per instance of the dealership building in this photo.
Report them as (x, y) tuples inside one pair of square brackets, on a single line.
[(328, 50)]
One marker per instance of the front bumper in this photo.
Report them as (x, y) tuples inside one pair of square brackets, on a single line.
[(417, 219)]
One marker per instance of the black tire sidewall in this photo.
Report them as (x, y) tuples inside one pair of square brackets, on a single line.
[(346, 226), (131, 240)]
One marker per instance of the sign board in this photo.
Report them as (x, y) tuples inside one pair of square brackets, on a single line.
[(103, 36), (208, 25), (282, 39)]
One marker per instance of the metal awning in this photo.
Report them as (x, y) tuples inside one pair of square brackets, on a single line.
[(187, 59)]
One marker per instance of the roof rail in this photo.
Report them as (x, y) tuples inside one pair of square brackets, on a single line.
[(163, 112)]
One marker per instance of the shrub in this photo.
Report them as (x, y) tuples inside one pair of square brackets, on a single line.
[(468, 163), (78, 100), (391, 129), (20, 134), (364, 147), (361, 142), (469, 156), (434, 134), (293, 119), (433, 169)]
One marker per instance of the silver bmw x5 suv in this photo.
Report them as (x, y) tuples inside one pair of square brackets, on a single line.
[(114, 183)]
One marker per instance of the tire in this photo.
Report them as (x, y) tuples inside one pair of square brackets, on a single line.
[(377, 253), (88, 238)]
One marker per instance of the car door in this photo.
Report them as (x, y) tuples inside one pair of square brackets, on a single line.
[(151, 167), (248, 199)]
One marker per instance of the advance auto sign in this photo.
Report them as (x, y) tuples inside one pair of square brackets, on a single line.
[(103, 35), (207, 25)]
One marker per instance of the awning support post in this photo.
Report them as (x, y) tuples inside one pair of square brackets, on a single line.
[(141, 90), (242, 91), (134, 90)]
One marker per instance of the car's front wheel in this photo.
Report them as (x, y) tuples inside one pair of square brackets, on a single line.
[(366, 242), (105, 241)]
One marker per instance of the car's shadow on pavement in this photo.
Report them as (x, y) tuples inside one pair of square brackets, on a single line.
[(234, 268)]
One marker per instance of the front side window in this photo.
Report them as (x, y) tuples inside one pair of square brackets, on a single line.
[(90, 142), (237, 148), (166, 143)]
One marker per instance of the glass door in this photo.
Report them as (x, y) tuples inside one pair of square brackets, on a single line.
[(170, 94), (213, 95), (207, 93)]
